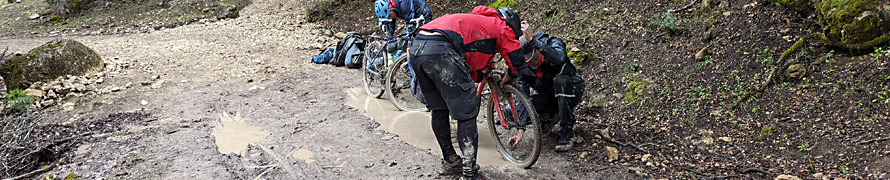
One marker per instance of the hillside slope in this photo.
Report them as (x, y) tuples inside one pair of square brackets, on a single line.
[(715, 115)]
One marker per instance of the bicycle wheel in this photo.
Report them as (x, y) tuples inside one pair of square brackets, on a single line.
[(526, 153), (374, 69), (398, 84)]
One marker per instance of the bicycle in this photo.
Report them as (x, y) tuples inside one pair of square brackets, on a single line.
[(504, 121), (400, 75), (377, 63)]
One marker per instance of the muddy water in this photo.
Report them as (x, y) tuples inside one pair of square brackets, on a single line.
[(414, 128), (233, 135)]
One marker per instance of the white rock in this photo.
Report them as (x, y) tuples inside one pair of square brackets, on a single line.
[(50, 94), (48, 102), (80, 87), (34, 92), (68, 106), (157, 84), (144, 102), (33, 16)]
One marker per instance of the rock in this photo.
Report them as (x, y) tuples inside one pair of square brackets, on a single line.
[(80, 87), (787, 177), (727, 13), (796, 71), (886, 152), (224, 11), (584, 154), (2, 86), (852, 24), (637, 170), (34, 92), (787, 38), (818, 175), (612, 153), (56, 58), (34, 16), (48, 102), (143, 102), (725, 139), (340, 35), (50, 94), (99, 81), (157, 84), (700, 56), (716, 113), (706, 140), (645, 157), (68, 106)]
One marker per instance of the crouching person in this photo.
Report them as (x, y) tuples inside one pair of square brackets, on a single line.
[(558, 87)]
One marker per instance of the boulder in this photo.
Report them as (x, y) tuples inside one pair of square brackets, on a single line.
[(853, 24), (56, 58), (796, 71), (64, 8)]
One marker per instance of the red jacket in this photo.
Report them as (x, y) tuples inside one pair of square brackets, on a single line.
[(480, 35)]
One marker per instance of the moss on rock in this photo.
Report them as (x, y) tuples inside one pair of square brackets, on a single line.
[(636, 89), (580, 59), (503, 3), (55, 58), (853, 24)]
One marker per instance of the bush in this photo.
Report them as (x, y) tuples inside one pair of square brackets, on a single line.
[(18, 100)]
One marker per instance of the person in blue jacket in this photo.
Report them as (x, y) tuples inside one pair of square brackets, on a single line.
[(388, 10)]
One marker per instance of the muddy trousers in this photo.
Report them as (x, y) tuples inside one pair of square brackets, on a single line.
[(563, 97), (444, 79)]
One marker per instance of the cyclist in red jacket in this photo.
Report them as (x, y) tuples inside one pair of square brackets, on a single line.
[(447, 55)]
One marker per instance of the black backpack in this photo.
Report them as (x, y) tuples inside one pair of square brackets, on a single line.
[(342, 55)]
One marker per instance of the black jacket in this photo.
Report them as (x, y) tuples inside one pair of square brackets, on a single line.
[(556, 62)]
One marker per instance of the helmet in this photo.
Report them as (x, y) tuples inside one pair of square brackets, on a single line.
[(382, 8), (512, 20)]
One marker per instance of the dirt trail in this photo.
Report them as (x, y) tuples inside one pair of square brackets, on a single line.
[(246, 87)]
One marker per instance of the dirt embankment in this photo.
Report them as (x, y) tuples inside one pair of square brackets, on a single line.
[(683, 81)]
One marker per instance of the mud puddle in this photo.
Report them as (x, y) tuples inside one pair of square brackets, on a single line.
[(233, 135), (414, 128)]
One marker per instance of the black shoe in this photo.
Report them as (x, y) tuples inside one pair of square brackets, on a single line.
[(478, 176), (451, 168), (565, 140)]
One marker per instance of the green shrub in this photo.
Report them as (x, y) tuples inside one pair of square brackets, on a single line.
[(18, 100)]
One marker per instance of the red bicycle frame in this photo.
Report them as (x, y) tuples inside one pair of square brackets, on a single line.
[(494, 97)]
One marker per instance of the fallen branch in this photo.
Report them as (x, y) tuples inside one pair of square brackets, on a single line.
[(771, 75), (607, 137), (750, 170), (684, 8), (55, 143), (874, 140), (601, 169), (32, 173), (3, 56)]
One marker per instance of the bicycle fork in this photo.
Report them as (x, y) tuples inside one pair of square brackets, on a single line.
[(497, 105)]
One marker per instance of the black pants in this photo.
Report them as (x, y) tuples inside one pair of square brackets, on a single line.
[(444, 79), (562, 97)]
